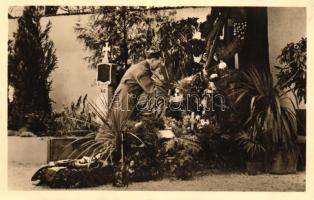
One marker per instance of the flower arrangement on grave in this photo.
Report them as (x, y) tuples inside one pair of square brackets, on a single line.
[(139, 153), (134, 151), (199, 93)]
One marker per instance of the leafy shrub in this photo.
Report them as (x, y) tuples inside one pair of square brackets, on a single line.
[(252, 142), (292, 75), (76, 119)]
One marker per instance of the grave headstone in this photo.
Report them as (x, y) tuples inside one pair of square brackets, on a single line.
[(105, 80)]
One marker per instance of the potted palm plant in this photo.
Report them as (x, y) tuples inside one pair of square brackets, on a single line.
[(252, 142), (270, 112)]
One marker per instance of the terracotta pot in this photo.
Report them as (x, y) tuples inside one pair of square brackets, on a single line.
[(301, 121), (301, 127), (284, 163), (254, 168)]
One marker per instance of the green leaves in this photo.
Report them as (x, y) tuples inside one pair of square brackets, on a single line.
[(130, 31), (251, 143), (31, 60), (267, 112), (179, 46), (292, 75), (77, 119)]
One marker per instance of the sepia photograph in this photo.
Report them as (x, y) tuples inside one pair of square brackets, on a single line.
[(156, 98)]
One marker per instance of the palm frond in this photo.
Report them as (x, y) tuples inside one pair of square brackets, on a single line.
[(136, 137), (266, 106), (189, 142)]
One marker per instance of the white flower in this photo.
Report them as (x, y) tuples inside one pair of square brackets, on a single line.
[(197, 59), (205, 72), (213, 76), (197, 35), (215, 57), (189, 78), (185, 81), (208, 91), (11, 93), (211, 85), (222, 65), (177, 91), (176, 99), (197, 117), (204, 102), (204, 122)]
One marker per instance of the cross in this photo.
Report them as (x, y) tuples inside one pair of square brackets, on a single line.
[(106, 49)]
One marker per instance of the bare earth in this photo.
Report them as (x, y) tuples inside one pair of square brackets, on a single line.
[(19, 179)]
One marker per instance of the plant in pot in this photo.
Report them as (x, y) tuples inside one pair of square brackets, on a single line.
[(291, 76), (252, 143), (272, 111)]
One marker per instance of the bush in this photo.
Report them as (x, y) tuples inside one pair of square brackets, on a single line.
[(292, 73), (30, 62), (77, 120)]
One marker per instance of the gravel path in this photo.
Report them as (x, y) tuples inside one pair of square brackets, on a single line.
[(20, 175)]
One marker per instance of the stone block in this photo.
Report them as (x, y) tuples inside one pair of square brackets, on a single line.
[(61, 148), (28, 150), (40, 150)]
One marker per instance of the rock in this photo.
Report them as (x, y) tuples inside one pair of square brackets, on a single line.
[(23, 129), (27, 134)]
